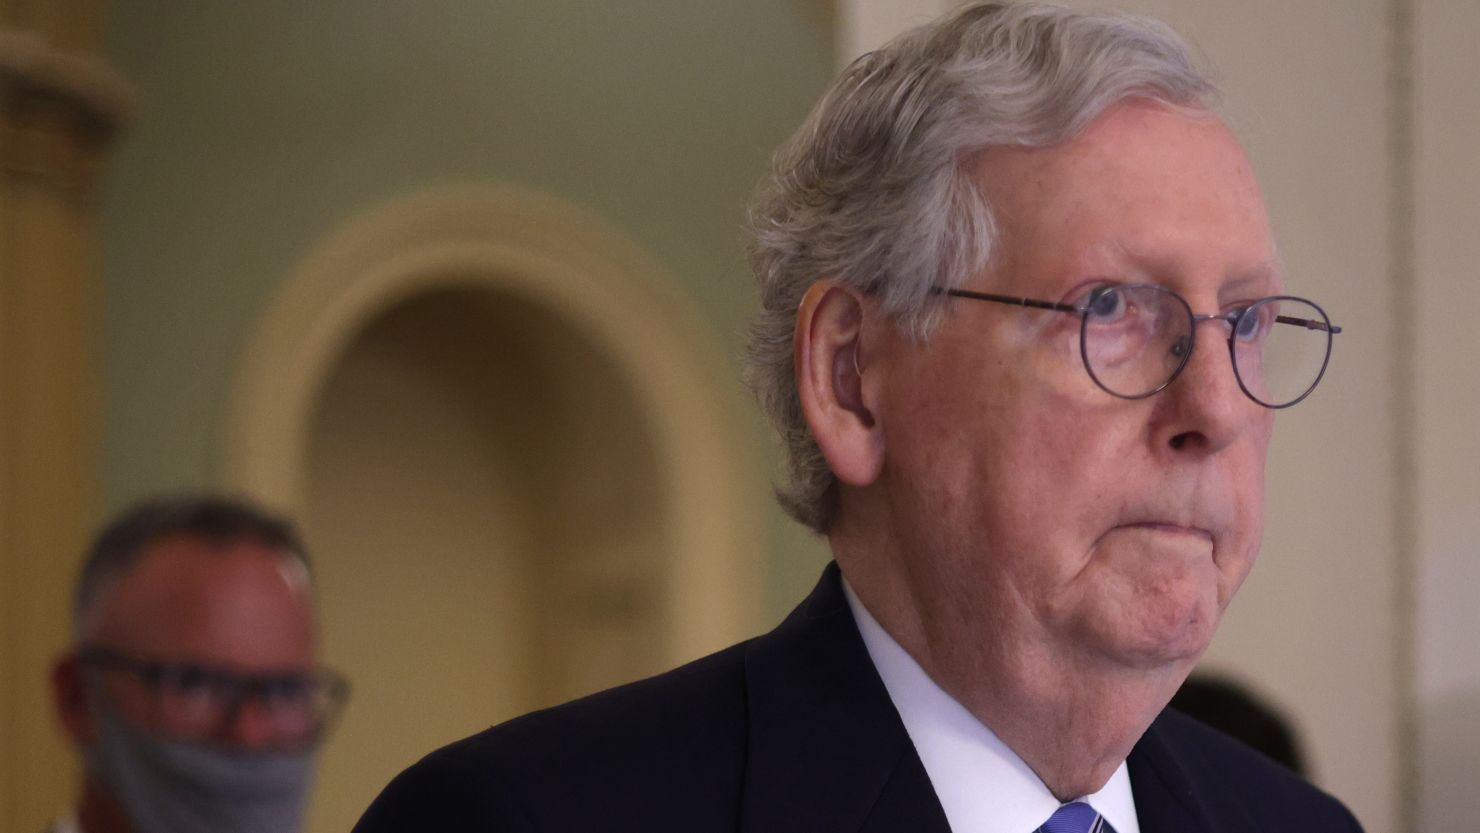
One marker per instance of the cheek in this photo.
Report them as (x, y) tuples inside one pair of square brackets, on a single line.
[(1064, 463), (1042, 498), (1010, 475), (129, 701)]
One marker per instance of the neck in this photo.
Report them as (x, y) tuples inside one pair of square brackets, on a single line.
[(99, 812), (1072, 729)]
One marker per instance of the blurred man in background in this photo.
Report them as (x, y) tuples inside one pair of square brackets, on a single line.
[(193, 692)]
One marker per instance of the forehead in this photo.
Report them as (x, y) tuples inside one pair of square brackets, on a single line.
[(237, 604), (1144, 193)]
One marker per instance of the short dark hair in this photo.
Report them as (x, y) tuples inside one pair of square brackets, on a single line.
[(218, 519)]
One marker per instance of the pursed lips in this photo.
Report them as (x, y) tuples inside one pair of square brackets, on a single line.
[(1170, 528)]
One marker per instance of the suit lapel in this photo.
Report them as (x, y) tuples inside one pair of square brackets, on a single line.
[(1165, 799), (827, 750), (907, 802)]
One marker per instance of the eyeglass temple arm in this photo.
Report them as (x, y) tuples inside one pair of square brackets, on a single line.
[(109, 658), (1006, 299), (1308, 324)]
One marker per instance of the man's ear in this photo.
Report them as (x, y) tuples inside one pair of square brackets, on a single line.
[(69, 695), (829, 367)]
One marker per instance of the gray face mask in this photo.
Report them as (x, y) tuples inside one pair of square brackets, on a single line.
[(172, 787)]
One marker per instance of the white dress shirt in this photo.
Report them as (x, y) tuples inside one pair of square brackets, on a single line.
[(983, 786)]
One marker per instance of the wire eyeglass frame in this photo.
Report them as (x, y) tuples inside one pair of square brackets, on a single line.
[(1232, 317)]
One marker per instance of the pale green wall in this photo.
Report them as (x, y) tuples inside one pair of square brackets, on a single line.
[(265, 124)]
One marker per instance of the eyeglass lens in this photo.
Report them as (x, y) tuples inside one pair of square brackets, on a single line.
[(1136, 338), (1281, 362), (192, 701), (196, 701)]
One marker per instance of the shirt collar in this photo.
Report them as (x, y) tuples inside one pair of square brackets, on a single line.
[(983, 786)]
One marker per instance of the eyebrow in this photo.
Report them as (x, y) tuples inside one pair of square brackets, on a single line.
[(1266, 276)]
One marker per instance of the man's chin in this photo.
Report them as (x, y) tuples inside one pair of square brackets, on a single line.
[(1163, 641)]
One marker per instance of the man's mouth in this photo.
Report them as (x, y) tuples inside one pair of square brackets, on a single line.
[(1171, 529)]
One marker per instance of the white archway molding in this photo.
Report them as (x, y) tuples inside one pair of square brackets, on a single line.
[(571, 263)]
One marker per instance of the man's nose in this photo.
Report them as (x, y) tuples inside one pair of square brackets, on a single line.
[(250, 726), (1204, 409)]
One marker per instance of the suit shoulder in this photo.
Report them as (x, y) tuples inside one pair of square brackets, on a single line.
[(1234, 778), (692, 706), (628, 752), (438, 794)]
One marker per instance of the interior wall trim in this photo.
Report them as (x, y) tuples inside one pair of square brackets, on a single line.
[(575, 265), (1403, 125)]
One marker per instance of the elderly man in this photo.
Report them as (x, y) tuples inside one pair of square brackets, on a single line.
[(1024, 333), (193, 693)]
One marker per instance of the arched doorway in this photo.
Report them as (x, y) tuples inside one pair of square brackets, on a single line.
[(514, 458)]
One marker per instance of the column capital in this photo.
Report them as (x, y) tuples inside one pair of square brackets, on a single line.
[(58, 110)]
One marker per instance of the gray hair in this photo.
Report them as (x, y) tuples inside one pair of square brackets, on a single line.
[(218, 520), (876, 190)]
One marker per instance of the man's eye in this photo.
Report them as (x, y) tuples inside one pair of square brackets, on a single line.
[(1252, 324), (286, 690), (1107, 303), (185, 679)]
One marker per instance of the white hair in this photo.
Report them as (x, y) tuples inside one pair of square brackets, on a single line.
[(876, 189)]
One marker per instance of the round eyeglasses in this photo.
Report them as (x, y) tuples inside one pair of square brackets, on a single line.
[(1135, 339), (197, 702)]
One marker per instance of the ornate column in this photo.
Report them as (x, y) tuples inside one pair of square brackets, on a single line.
[(60, 105)]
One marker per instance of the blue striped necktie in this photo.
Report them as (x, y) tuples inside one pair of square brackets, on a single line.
[(1075, 818)]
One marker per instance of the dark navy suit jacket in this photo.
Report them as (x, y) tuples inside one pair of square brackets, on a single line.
[(791, 731)]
